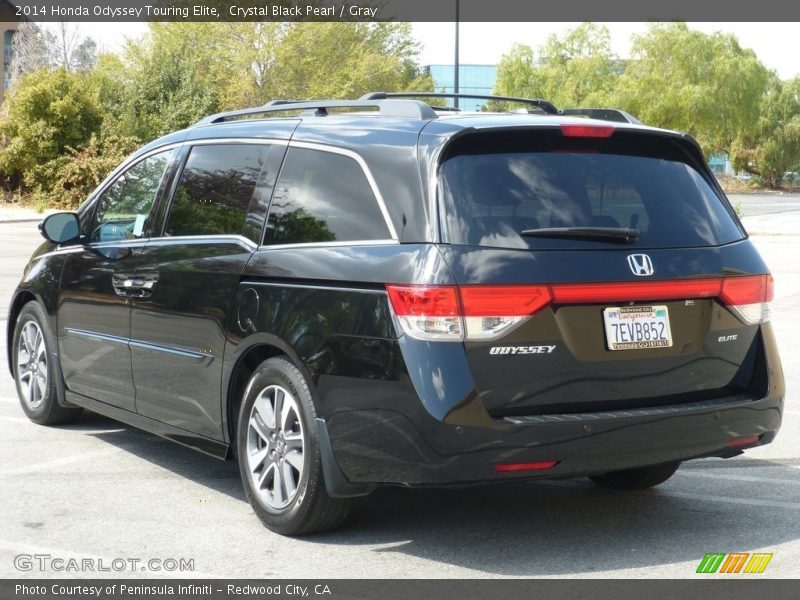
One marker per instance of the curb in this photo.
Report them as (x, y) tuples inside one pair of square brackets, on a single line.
[(773, 233), (763, 193)]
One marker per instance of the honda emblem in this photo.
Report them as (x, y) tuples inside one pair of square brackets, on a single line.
[(640, 264)]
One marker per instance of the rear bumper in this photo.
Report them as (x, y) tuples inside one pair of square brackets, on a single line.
[(398, 440), (594, 444)]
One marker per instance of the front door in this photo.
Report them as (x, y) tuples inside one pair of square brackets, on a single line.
[(98, 282)]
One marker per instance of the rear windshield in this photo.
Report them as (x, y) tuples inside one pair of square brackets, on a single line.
[(493, 189)]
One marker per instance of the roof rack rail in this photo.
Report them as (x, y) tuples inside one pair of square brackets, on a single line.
[(603, 114), (544, 105), (320, 108)]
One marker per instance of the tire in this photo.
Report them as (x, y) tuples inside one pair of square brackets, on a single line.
[(637, 479), (279, 459), (35, 372)]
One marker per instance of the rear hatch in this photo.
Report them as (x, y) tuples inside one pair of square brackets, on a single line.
[(597, 269)]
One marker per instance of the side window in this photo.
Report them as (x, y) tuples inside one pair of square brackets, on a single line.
[(124, 206), (323, 197), (216, 187)]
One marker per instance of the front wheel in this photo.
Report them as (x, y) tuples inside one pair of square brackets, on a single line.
[(35, 370), (637, 479), (279, 456)]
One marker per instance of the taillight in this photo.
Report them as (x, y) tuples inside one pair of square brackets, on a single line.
[(485, 312), (475, 312), (492, 310), (748, 297), (428, 312), (587, 131), (631, 291)]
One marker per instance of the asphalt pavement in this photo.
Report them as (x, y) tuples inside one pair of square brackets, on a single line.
[(753, 205), (100, 490)]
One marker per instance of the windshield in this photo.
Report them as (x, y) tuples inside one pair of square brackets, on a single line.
[(491, 198)]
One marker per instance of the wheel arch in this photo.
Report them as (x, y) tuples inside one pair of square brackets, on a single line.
[(21, 298), (259, 347)]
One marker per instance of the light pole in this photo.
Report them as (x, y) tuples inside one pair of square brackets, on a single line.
[(457, 69)]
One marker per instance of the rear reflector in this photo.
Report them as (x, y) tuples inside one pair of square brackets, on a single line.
[(531, 466), (484, 312), (745, 441), (587, 131)]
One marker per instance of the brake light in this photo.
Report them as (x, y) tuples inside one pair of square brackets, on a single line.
[(424, 300), (492, 310), (747, 290), (484, 312), (587, 131), (428, 312), (503, 300), (748, 297)]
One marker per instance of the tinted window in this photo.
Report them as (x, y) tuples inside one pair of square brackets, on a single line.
[(124, 207), (491, 198), (323, 197), (215, 189)]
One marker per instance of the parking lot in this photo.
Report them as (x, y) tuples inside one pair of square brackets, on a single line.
[(103, 490)]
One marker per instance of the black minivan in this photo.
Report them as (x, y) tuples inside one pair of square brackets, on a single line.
[(347, 294)]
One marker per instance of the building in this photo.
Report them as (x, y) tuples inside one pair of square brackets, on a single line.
[(720, 164), (472, 79), (9, 23)]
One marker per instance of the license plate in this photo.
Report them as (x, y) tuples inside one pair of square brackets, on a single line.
[(637, 327)]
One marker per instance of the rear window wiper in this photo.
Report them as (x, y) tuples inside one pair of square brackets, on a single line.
[(622, 235)]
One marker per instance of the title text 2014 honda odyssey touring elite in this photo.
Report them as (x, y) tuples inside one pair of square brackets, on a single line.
[(347, 294)]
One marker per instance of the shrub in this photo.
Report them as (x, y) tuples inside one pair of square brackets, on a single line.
[(48, 111), (67, 180)]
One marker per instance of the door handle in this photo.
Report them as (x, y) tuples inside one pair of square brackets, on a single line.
[(134, 285)]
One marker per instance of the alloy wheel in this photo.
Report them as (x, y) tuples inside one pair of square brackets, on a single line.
[(32, 365), (275, 446)]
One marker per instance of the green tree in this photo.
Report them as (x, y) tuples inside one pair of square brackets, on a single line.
[(183, 71), (345, 60), (706, 85), (48, 112), (772, 147), (516, 74), (172, 79), (111, 80), (578, 69), (177, 74)]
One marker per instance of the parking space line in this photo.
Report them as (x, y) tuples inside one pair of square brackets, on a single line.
[(730, 500), (702, 475), (57, 462)]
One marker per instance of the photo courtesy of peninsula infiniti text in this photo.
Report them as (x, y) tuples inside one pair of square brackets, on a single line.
[(346, 294)]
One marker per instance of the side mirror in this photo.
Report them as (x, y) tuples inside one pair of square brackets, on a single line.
[(60, 228)]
